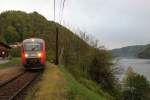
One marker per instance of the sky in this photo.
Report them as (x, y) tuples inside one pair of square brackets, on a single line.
[(115, 23)]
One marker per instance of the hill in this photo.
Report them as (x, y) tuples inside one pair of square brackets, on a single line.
[(145, 53), (16, 26), (80, 56), (129, 51)]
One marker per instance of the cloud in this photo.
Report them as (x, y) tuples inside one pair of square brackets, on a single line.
[(115, 23)]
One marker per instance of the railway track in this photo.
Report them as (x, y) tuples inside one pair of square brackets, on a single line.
[(12, 88)]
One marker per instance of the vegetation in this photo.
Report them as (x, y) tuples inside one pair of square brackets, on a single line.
[(15, 52), (129, 51), (136, 87), (80, 54), (145, 53), (87, 66), (63, 86), (88, 91), (52, 85), (141, 51), (12, 63)]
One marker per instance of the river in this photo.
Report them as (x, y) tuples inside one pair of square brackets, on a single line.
[(141, 66)]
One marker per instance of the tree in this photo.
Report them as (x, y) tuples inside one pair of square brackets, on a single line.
[(101, 71), (135, 86), (11, 35)]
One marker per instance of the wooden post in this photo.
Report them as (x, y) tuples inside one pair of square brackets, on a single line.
[(57, 46)]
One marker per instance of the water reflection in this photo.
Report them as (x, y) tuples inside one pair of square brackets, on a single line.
[(141, 66)]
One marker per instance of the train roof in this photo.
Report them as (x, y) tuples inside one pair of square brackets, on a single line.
[(33, 40)]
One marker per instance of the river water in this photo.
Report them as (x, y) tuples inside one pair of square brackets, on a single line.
[(141, 66)]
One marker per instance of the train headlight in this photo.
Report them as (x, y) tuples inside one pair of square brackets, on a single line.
[(26, 55), (39, 54), (32, 40)]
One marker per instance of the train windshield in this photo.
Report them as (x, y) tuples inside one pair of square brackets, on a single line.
[(32, 47)]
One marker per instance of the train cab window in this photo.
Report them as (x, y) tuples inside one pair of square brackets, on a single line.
[(33, 47)]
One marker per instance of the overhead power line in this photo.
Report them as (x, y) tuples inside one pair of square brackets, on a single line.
[(62, 9), (54, 9), (62, 5)]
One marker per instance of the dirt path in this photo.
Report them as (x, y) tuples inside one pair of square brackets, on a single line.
[(52, 85)]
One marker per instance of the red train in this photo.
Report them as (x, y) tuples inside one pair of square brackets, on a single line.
[(33, 53)]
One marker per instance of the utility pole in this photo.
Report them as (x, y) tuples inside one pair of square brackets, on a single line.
[(57, 47)]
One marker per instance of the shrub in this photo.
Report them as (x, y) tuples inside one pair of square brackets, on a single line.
[(15, 52), (136, 87)]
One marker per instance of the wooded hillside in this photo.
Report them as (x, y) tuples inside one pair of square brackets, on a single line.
[(80, 55), (129, 51)]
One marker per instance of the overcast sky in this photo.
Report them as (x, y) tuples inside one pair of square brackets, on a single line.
[(115, 23)]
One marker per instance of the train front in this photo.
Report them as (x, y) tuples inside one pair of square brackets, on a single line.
[(33, 53)]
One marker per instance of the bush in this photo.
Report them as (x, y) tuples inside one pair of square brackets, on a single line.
[(101, 71), (15, 52), (136, 87)]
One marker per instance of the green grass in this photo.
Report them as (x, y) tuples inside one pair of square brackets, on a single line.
[(88, 91), (51, 86), (12, 63)]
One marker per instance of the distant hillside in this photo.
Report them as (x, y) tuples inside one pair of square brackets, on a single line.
[(129, 51), (145, 53)]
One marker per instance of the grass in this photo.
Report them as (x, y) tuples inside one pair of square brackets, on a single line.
[(87, 91), (58, 84), (13, 62), (50, 87)]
